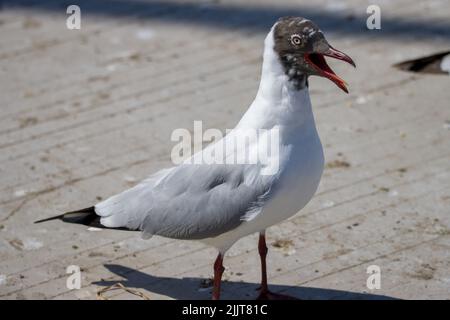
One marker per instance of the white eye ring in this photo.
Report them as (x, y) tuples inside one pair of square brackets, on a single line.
[(296, 40)]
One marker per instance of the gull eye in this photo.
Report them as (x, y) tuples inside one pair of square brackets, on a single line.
[(296, 40)]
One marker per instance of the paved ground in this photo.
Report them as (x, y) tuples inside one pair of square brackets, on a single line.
[(85, 114)]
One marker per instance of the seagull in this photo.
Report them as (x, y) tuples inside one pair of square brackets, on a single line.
[(438, 63), (219, 203)]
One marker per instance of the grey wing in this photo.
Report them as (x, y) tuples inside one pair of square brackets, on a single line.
[(190, 201)]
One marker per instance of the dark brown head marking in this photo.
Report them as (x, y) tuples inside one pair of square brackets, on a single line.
[(294, 37)]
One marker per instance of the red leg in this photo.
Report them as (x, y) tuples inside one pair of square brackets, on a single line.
[(264, 293), (262, 248), (218, 271)]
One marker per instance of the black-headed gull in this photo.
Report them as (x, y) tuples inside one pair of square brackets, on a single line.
[(220, 203)]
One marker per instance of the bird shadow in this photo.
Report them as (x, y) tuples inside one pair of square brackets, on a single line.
[(243, 16), (190, 288)]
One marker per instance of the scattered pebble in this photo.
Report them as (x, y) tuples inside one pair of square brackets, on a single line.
[(424, 272), (286, 246), (337, 164), (283, 243), (17, 244), (103, 95), (93, 79), (135, 56), (27, 244), (94, 254), (27, 121), (28, 94), (75, 247)]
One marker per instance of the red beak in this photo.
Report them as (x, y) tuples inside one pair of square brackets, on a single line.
[(334, 53), (317, 60)]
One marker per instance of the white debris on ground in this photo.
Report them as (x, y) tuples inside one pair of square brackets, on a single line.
[(130, 179), (32, 244), (362, 100), (327, 204), (20, 193), (94, 229), (393, 193), (145, 34)]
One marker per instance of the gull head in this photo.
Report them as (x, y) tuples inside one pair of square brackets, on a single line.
[(301, 47)]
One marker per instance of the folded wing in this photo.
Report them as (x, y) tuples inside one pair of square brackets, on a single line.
[(190, 201)]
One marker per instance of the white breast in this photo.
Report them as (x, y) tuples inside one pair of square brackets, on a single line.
[(301, 167)]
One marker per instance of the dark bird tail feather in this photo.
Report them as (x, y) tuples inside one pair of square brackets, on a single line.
[(86, 216)]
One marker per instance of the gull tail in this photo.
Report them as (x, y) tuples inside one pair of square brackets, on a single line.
[(87, 217)]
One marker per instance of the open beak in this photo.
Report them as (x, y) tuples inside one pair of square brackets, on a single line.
[(319, 63)]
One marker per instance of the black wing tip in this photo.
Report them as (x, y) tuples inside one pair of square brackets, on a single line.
[(86, 216), (89, 210), (49, 219)]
